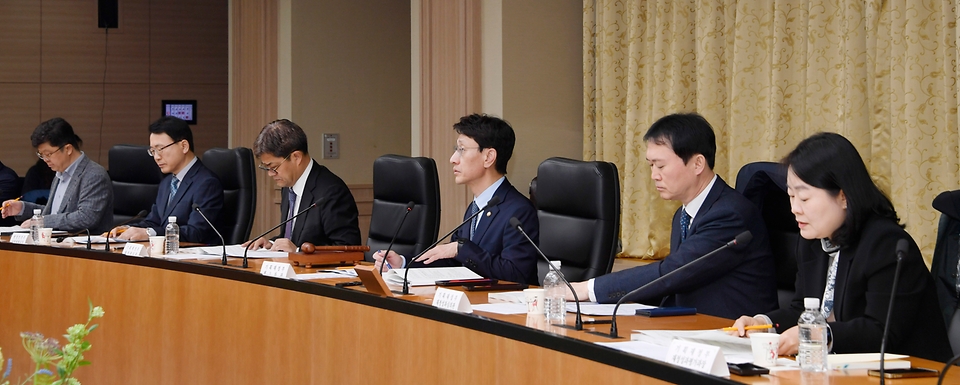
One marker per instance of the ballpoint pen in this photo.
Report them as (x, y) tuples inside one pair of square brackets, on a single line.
[(751, 327), (5, 205)]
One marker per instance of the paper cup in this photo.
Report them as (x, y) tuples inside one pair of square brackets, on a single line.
[(156, 245), (764, 346), (45, 234), (535, 301)]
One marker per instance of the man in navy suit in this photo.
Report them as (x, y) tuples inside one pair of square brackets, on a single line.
[(738, 280), (189, 182), (489, 245), (282, 149)]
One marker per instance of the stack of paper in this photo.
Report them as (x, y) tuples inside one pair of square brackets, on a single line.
[(867, 361), (428, 276)]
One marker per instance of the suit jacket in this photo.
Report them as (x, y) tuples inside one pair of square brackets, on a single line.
[(738, 280), (498, 250), (200, 186), (862, 295), (87, 203), (334, 220)]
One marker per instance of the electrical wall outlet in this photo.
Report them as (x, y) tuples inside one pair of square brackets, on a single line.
[(331, 146)]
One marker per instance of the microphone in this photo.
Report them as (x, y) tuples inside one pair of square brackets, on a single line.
[(312, 205), (741, 239), (140, 215), (516, 224), (405, 213), (406, 285), (902, 246), (196, 208)]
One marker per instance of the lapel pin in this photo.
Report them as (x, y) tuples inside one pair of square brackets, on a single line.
[(489, 214)]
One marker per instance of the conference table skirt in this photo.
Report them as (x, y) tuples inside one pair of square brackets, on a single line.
[(170, 322)]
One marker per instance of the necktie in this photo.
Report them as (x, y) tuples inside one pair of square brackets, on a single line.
[(174, 185), (684, 224), (291, 206), (828, 291), (473, 223)]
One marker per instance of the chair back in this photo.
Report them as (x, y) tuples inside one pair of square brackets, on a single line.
[(398, 180), (136, 179), (946, 263), (236, 171), (765, 184), (578, 204)]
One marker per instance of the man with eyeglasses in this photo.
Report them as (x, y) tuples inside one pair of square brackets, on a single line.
[(189, 182), (81, 196), (489, 245), (282, 150)]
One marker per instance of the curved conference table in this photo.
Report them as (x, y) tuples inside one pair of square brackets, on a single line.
[(171, 322)]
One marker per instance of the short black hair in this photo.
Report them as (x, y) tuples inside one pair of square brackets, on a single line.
[(280, 138), (176, 128), (57, 132), (687, 134), (489, 132), (830, 162)]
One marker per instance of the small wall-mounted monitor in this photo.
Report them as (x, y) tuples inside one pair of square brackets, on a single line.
[(183, 109)]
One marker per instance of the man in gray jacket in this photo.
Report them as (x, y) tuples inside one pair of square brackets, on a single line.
[(81, 196)]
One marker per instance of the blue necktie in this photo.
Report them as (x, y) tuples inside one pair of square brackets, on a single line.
[(174, 185), (684, 224), (473, 223), (291, 206)]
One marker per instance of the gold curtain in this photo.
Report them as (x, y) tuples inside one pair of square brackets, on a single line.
[(767, 74)]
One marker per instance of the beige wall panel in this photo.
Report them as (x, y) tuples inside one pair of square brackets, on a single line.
[(80, 105), (128, 49), (211, 128), (351, 75), (126, 117), (19, 41), (21, 107), (188, 41), (542, 83), (72, 45)]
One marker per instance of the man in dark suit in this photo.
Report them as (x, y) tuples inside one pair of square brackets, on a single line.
[(81, 196), (739, 280), (189, 182), (489, 245), (282, 149)]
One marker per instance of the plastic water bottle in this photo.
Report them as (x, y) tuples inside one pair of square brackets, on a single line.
[(36, 223), (172, 233), (555, 293), (813, 337)]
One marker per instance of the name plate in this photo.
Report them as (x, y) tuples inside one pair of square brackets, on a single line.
[(134, 250), (20, 238), (700, 357), (452, 300), (277, 270)]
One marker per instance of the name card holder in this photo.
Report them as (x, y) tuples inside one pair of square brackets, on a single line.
[(134, 250), (700, 357), (21, 238), (452, 300), (277, 270)]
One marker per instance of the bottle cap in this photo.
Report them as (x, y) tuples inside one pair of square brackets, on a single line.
[(36, 211), (811, 303), (171, 219), (556, 263)]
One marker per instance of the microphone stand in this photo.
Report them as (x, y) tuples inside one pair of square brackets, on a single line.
[(223, 242), (902, 246), (390, 246), (516, 224), (742, 238), (406, 285), (245, 250)]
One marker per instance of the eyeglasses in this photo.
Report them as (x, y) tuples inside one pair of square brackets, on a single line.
[(459, 149), (273, 169), (153, 151), (49, 154)]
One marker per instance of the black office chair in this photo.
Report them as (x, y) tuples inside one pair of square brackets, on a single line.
[(578, 204), (136, 180), (236, 171), (765, 184), (946, 263), (398, 180)]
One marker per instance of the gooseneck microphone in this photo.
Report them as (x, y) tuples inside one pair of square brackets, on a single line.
[(81, 232), (140, 215), (902, 246), (405, 213), (516, 224), (406, 285), (312, 205), (741, 239), (223, 260)]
